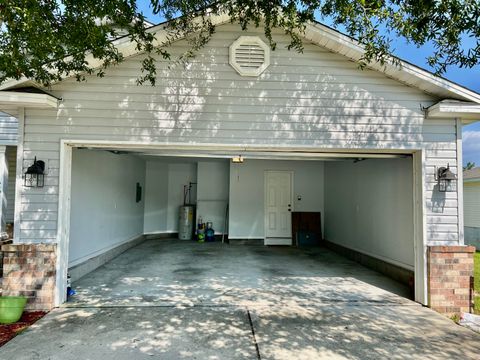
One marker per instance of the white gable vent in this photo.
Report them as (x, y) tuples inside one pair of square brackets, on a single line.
[(249, 56)]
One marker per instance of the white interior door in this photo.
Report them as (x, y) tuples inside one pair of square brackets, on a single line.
[(278, 207)]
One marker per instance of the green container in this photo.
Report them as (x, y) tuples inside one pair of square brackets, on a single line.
[(11, 308)]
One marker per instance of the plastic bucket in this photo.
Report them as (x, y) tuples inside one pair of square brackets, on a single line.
[(11, 308)]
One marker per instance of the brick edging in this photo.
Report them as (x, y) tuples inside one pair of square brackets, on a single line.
[(43, 247), (452, 249)]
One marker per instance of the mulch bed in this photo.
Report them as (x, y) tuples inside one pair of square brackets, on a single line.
[(8, 332)]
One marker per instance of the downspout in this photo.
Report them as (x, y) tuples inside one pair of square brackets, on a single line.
[(460, 221)]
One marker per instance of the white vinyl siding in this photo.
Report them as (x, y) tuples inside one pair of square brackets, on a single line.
[(314, 99), (8, 129), (471, 203)]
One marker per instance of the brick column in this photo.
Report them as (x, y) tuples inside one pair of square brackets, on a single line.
[(29, 270), (450, 269)]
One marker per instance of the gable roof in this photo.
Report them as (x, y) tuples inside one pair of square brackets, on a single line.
[(326, 37), (472, 174)]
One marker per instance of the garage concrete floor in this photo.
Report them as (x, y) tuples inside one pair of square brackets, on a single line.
[(168, 299)]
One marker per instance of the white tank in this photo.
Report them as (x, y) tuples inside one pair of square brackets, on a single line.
[(185, 222)]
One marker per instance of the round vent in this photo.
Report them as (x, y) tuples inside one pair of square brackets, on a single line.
[(249, 56)]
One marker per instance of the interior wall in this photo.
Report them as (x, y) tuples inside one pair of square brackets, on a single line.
[(178, 175), (156, 197), (104, 211), (246, 220), (369, 208), (212, 192), (165, 179)]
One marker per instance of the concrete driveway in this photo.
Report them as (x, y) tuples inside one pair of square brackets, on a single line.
[(167, 299)]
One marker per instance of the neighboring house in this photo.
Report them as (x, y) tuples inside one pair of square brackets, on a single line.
[(315, 132), (471, 194)]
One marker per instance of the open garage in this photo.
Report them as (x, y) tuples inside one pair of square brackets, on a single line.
[(275, 220)]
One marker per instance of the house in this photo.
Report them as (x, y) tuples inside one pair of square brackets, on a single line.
[(471, 193), (311, 132)]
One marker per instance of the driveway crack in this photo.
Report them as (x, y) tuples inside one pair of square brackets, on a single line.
[(257, 349)]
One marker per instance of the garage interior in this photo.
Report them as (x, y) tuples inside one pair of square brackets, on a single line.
[(124, 222)]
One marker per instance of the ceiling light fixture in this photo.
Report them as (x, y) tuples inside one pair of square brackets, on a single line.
[(237, 159)]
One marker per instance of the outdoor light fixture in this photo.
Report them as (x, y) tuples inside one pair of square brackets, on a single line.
[(237, 159), (34, 177), (446, 179)]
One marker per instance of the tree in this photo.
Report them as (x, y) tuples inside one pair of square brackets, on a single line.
[(46, 40), (469, 166)]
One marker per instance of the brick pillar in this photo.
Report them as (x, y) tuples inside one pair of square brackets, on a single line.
[(450, 269), (29, 270)]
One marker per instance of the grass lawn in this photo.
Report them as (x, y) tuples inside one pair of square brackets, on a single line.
[(477, 282)]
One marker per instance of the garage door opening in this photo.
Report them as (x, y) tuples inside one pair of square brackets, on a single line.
[(127, 202), (370, 214)]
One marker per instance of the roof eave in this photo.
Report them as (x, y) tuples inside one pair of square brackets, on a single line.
[(466, 111), (27, 100)]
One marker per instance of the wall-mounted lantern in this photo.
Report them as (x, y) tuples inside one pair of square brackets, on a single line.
[(446, 179), (35, 175)]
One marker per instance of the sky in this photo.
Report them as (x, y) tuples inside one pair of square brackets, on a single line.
[(468, 77)]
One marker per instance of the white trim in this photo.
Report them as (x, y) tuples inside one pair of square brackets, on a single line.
[(461, 232), (8, 143), (420, 228), (246, 237), (27, 100), (278, 241), (19, 176), (219, 149), (465, 111), (63, 231), (443, 243), (66, 146)]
